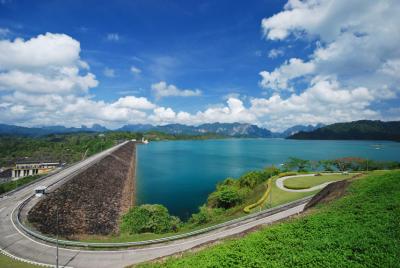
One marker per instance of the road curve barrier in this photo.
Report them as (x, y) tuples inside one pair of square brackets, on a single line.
[(70, 243)]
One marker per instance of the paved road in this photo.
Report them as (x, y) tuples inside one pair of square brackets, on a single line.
[(280, 183), (18, 244)]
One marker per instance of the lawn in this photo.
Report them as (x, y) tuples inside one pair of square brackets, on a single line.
[(6, 262), (362, 229), (310, 181)]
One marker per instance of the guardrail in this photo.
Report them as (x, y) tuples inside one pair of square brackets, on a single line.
[(257, 215)]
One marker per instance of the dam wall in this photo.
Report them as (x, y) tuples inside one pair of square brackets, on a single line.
[(92, 201)]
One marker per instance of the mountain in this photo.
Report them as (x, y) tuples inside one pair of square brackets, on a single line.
[(41, 131), (224, 129), (356, 130), (136, 128), (21, 131), (298, 128), (235, 130)]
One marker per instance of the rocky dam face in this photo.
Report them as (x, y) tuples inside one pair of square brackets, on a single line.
[(93, 201)]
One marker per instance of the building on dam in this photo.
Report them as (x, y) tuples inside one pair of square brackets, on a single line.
[(25, 168)]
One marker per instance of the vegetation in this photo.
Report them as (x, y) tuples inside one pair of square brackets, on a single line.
[(149, 219), (11, 185), (68, 148), (362, 229), (357, 130), (340, 164), (310, 181), (73, 147), (7, 262)]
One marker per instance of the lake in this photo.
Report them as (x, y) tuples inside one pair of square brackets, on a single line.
[(181, 174)]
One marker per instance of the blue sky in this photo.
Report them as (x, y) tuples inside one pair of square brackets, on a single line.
[(198, 61)]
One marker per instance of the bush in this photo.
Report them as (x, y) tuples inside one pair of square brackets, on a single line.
[(205, 215), (226, 196), (149, 219)]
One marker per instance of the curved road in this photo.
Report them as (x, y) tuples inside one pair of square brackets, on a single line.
[(280, 183), (15, 242)]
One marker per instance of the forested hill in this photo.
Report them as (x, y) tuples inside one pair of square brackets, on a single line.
[(357, 130)]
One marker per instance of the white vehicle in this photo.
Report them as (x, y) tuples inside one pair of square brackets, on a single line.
[(40, 190)]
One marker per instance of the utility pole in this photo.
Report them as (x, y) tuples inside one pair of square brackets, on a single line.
[(57, 242)]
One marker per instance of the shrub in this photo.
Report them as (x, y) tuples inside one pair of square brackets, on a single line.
[(205, 215), (149, 219), (252, 179), (225, 197)]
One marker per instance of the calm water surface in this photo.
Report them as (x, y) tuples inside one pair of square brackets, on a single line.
[(181, 174)]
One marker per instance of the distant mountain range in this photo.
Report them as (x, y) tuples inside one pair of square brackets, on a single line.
[(357, 130), (223, 129), (42, 131)]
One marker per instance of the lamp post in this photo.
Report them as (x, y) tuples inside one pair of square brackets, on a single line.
[(57, 241)]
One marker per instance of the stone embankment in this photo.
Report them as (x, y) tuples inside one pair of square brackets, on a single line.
[(91, 202)]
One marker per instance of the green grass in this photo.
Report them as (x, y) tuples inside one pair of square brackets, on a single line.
[(310, 181), (362, 229), (6, 262)]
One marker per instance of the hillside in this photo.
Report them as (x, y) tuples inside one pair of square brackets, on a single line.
[(357, 130), (359, 230)]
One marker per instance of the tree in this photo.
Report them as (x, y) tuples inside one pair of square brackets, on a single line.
[(149, 219), (297, 164), (227, 197)]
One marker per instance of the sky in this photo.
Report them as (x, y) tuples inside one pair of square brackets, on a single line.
[(267, 62)]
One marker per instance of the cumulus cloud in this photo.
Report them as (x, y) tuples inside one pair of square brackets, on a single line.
[(162, 89), (356, 57), (43, 64), (280, 77)]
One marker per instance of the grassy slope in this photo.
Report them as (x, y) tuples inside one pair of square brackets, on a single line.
[(361, 229), (308, 182), (6, 262)]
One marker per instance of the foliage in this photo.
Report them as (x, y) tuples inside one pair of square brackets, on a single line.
[(205, 215), (357, 130), (65, 147), (297, 164), (11, 185), (361, 229), (226, 196), (149, 219)]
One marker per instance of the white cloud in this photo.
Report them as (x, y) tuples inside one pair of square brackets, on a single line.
[(162, 89), (280, 77), (44, 64), (113, 37), (275, 53), (355, 61), (108, 72), (138, 103)]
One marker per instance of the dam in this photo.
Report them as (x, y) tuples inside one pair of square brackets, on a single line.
[(92, 201)]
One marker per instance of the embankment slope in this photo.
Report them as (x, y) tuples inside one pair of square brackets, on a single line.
[(91, 202)]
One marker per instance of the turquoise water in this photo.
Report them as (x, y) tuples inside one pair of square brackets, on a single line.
[(181, 174)]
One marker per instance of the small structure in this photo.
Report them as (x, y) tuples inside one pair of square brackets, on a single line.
[(144, 141), (31, 167), (40, 191)]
